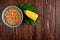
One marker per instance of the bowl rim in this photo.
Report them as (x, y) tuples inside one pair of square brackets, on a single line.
[(3, 14)]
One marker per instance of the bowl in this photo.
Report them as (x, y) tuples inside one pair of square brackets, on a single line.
[(3, 16)]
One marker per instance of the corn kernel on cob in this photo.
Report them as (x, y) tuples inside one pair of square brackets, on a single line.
[(31, 15)]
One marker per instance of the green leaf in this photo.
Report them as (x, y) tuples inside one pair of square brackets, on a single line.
[(29, 7)]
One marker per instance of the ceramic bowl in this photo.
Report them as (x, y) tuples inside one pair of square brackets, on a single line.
[(3, 15)]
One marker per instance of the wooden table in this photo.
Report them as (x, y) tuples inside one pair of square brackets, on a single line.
[(47, 29)]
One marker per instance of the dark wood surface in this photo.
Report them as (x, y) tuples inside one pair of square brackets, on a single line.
[(47, 29)]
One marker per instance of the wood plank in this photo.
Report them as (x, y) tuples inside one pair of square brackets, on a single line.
[(57, 19), (39, 27), (49, 19)]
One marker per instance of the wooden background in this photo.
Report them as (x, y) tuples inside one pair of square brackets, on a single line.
[(47, 29)]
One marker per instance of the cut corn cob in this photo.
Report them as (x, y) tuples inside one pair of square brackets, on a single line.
[(31, 15)]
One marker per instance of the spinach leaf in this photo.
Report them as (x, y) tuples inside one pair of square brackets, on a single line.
[(29, 7)]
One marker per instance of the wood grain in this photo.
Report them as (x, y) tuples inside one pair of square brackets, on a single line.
[(46, 29), (57, 19), (49, 16)]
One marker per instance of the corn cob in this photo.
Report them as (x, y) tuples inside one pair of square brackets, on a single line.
[(31, 15)]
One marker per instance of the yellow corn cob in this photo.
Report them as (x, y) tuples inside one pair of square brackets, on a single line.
[(31, 15)]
